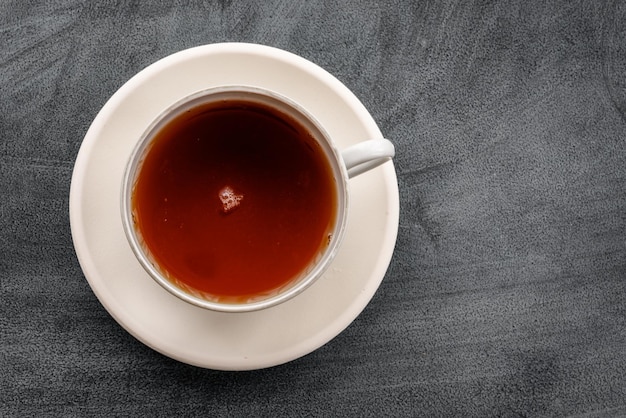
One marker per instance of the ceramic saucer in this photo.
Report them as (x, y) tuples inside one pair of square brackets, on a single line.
[(190, 334)]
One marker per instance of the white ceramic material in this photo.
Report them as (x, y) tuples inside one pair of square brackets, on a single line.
[(358, 158), (219, 340)]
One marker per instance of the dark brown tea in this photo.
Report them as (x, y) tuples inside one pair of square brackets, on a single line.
[(234, 199)]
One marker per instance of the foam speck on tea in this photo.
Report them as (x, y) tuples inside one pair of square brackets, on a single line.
[(230, 200)]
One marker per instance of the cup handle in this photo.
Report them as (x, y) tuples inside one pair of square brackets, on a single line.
[(366, 155)]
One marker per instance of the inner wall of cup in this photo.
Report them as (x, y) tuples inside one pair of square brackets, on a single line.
[(310, 273)]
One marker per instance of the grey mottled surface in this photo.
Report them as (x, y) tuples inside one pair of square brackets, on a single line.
[(506, 295)]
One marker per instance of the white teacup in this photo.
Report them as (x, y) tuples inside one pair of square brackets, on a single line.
[(342, 165)]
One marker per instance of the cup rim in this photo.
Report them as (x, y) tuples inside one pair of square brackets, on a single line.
[(291, 289)]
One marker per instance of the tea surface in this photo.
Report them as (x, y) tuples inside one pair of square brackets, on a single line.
[(234, 199)]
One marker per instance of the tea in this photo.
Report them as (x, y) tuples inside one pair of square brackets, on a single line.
[(234, 199)]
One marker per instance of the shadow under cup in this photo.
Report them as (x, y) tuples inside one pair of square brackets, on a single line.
[(229, 179)]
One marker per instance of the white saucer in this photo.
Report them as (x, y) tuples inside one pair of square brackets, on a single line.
[(184, 332)]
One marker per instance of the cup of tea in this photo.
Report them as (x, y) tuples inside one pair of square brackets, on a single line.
[(235, 198)]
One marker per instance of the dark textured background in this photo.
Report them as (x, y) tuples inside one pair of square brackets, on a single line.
[(506, 295)]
